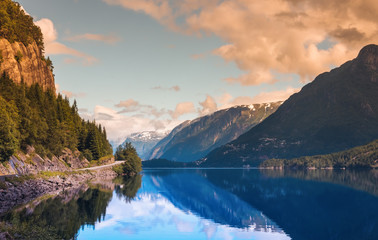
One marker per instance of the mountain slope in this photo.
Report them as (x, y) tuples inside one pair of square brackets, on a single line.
[(144, 141), (158, 150), (337, 111), (196, 138)]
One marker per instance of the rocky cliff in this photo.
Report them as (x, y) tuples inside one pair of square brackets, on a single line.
[(25, 64)]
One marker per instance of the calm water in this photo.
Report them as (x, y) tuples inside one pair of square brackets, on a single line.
[(216, 204)]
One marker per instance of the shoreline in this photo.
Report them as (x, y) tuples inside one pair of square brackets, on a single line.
[(17, 191)]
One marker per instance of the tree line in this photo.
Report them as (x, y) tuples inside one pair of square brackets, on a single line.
[(16, 26), (365, 156), (30, 116)]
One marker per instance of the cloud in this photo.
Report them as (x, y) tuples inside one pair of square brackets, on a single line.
[(118, 126), (268, 37), (208, 106), (174, 88), (73, 95), (182, 109), (227, 100), (129, 105), (160, 10), (274, 96), (198, 56), (132, 106), (109, 39), (53, 47)]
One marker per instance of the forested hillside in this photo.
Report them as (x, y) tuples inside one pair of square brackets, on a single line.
[(16, 26), (365, 156), (30, 116)]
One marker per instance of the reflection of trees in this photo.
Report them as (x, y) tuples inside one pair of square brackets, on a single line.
[(60, 217), (365, 180), (127, 187)]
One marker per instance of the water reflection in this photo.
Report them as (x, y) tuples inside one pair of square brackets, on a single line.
[(309, 205), (213, 204), (63, 216)]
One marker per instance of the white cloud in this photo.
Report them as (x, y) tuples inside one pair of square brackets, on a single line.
[(53, 47), (118, 126)]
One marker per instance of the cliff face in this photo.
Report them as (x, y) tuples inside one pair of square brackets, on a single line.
[(30, 66)]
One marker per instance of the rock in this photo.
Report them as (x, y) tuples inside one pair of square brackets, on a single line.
[(30, 68)]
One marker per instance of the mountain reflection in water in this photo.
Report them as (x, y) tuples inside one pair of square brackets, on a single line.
[(214, 204)]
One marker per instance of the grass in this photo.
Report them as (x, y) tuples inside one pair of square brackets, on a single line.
[(19, 179), (49, 174), (100, 161)]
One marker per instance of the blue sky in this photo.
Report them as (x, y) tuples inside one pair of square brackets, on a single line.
[(136, 65)]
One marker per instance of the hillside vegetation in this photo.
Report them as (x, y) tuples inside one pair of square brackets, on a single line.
[(30, 116), (362, 156), (16, 26)]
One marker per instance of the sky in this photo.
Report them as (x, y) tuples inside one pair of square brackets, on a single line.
[(148, 65)]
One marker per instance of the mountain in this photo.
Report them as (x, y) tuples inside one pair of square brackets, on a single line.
[(194, 139), (144, 141), (335, 112), (157, 151)]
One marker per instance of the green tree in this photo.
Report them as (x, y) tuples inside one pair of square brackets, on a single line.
[(133, 163), (31, 116), (8, 130)]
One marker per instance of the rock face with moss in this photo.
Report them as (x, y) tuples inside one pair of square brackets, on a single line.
[(25, 63), (21, 48)]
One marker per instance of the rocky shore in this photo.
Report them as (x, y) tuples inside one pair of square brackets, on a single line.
[(16, 191)]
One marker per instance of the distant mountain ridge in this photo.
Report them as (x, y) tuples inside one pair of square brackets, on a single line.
[(335, 112), (192, 140), (144, 141)]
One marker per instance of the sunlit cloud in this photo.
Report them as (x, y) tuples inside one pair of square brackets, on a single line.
[(73, 95), (53, 47), (208, 106), (109, 39), (182, 109), (173, 88), (227, 100), (266, 37)]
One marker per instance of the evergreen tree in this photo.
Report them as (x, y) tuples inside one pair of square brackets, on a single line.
[(133, 163), (8, 130), (33, 117)]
